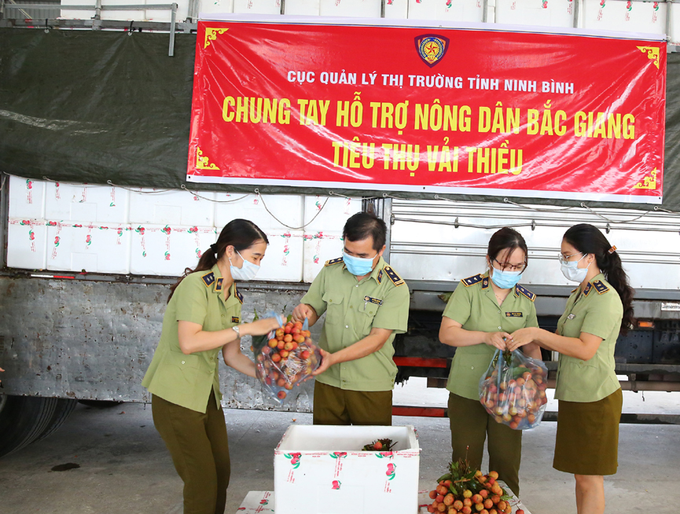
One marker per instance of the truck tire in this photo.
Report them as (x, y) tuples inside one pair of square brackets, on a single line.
[(62, 411), (22, 420)]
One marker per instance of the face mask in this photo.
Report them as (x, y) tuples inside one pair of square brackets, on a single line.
[(572, 272), (505, 279), (356, 265), (246, 272)]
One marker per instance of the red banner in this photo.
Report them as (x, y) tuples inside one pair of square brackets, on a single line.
[(429, 110)]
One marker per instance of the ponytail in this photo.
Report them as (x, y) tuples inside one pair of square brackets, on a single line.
[(588, 239), (239, 233)]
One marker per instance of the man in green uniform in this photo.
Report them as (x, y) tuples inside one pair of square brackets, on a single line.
[(366, 305)]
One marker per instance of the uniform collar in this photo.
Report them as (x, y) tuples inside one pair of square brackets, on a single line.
[(377, 273), (219, 280)]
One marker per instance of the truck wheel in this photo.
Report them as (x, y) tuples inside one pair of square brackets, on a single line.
[(23, 419), (62, 411)]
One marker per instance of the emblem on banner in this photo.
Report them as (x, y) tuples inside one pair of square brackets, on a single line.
[(648, 182), (652, 52), (203, 162), (431, 48), (211, 35)]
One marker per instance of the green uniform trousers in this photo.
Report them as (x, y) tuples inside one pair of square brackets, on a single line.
[(335, 406), (470, 424), (200, 452)]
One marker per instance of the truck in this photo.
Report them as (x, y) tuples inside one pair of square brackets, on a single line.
[(98, 219)]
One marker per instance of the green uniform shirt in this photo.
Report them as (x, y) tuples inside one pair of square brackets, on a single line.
[(379, 300), (473, 304), (187, 380), (597, 311)]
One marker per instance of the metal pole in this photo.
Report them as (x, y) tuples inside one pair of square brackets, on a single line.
[(173, 17)]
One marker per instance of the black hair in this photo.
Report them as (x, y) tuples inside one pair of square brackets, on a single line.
[(361, 225), (588, 239), (239, 233), (506, 239)]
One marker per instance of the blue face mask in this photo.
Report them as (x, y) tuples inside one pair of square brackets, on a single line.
[(505, 279), (356, 265)]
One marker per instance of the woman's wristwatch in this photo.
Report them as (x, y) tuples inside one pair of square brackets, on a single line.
[(236, 329)]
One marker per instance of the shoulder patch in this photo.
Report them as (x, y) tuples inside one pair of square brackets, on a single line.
[(525, 292), (333, 261), (208, 279), (218, 284), (588, 289), (600, 287), (471, 281), (239, 295), (392, 275), (485, 282)]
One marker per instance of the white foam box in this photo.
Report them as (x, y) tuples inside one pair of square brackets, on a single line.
[(257, 6), (351, 8), (320, 469), (283, 259), (450, 10), (324, 214), (26, 198), (547, 13), (86, 246), (167, 250), (71, 202), (301, 7), (287, 209), (172, 207), (318, 248), (26, 244), (396, 9)]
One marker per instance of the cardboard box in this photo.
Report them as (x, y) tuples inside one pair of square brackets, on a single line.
[(322, 470)]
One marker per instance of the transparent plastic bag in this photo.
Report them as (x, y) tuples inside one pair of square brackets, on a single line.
[(283, 362), (513, 389)]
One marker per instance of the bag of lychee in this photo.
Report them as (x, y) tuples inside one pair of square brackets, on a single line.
[(285, 357), (513, 389)]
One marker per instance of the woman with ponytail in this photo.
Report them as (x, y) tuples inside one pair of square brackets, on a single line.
[(202, 317), (588, 391)]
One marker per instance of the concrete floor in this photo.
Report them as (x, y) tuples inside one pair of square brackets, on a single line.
[(125, 468)]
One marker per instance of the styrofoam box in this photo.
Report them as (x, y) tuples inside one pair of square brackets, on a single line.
[(287, 208), (396, 9), (351, 8), (88, 247), (301, 7), (72, 202), (283, 260), (165, 250), (321, 469), (334, 213), (555, 13), (216, 6), (257, 6), (460, 10), (26, 244), (171, 208), (26, 198), (318, 248)]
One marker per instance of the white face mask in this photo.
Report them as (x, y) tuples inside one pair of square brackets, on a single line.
[(572, 272), (247, 271)]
